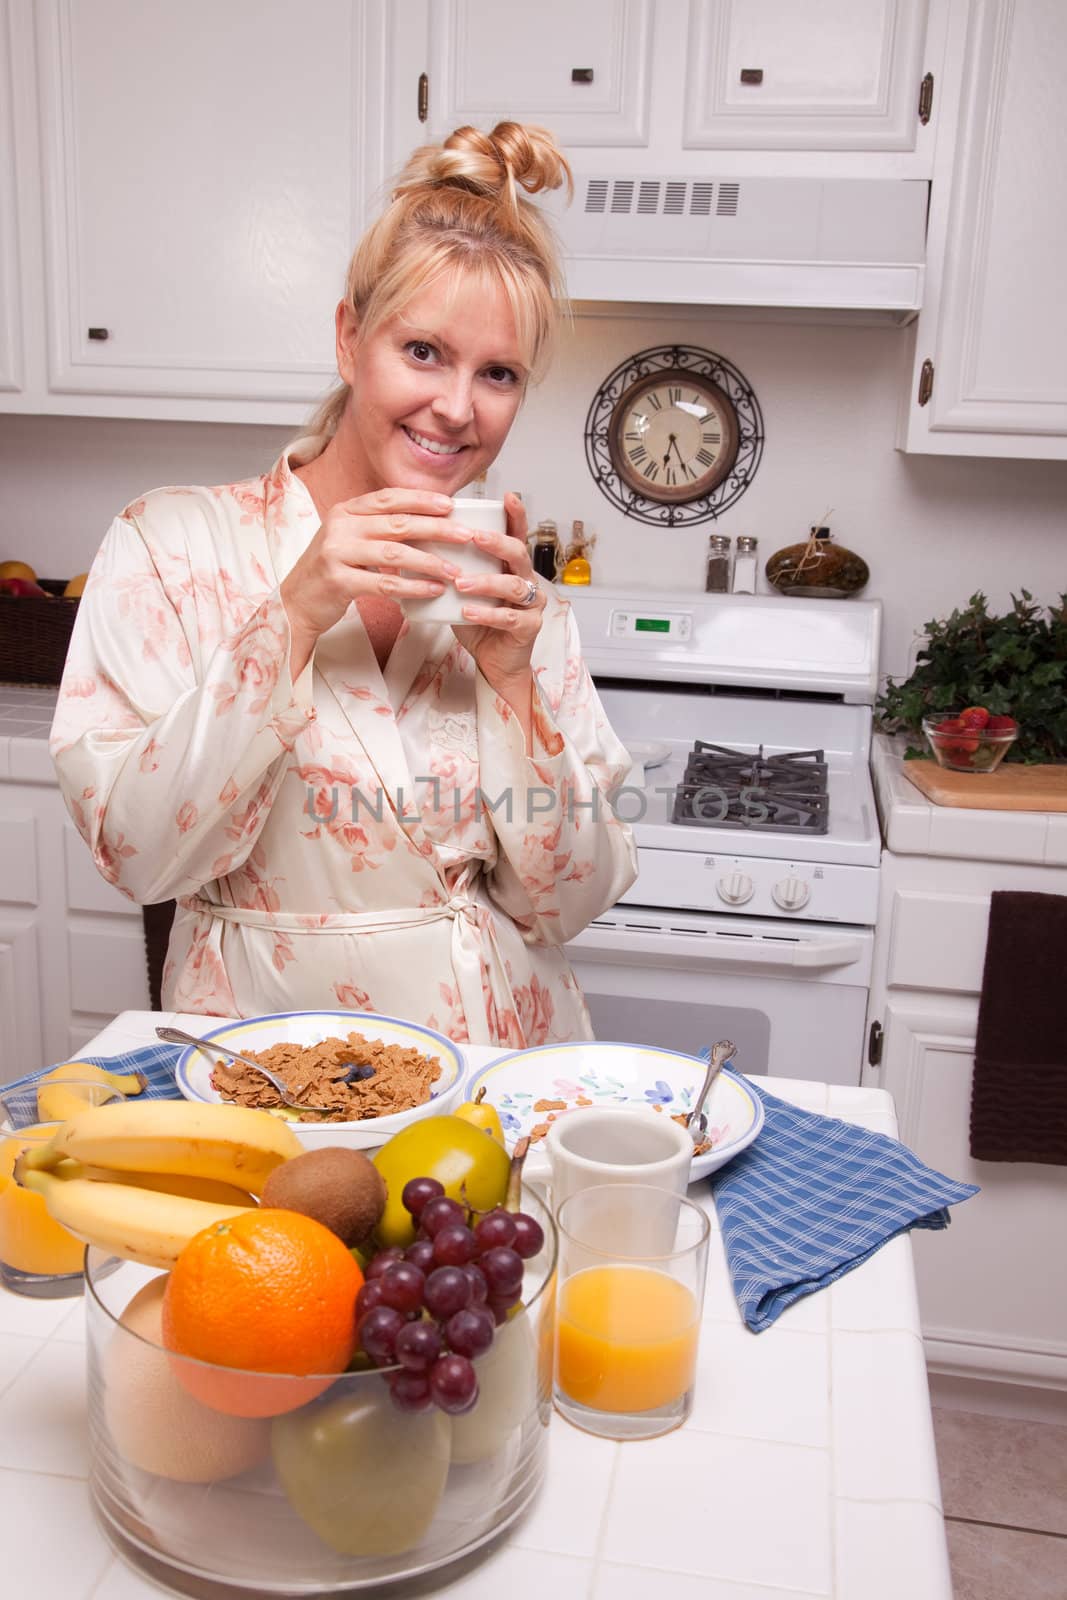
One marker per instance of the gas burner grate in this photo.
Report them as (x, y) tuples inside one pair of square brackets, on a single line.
[(725, 788)]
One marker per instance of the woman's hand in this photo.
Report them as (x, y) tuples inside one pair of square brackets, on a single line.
[(366, 546), (501, 638)]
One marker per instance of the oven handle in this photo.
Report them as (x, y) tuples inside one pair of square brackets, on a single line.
[(717, 949)]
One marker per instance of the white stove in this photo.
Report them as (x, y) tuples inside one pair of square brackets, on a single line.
[(735, 926)]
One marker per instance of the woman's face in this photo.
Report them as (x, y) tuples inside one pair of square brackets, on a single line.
[(434, 390)]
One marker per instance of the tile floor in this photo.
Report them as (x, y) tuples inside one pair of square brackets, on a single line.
[(1004, 1488)]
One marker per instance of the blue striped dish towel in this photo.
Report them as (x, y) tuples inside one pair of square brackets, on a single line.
[(156, 1061), (814, 1197)]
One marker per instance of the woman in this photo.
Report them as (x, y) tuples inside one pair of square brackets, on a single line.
[(352, 810)]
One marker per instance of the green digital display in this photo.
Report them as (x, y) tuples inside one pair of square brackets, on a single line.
[(652, 625)]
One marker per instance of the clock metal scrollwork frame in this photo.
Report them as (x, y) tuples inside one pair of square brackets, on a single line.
[(680, 358)]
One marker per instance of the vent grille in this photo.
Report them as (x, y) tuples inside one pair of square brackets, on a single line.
[(726, 205), (650, 197)]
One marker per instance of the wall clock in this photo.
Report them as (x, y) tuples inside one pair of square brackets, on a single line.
[(674, 436)]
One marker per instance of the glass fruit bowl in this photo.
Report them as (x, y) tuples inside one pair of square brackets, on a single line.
[(964, 746), (338, 1491)]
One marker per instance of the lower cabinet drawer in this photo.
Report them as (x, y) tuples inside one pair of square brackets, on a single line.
[(938, 940)]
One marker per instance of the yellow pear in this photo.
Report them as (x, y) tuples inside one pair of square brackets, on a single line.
[(74, 588), (17, 569)]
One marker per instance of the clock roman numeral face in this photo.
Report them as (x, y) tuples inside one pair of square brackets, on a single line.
[(673, 436)]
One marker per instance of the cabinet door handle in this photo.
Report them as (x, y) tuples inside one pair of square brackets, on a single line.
[(99, 333), (751, 74), (581, 74)]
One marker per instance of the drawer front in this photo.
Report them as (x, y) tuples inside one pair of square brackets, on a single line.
[(938, 941)]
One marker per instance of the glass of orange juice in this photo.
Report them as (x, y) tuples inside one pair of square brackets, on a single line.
[(632, 1265), (37, 1256)]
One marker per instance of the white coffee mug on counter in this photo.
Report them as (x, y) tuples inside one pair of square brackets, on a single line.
[(448, 607), (617, 1144)]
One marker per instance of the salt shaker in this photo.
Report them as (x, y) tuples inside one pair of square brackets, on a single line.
[(745, 563), (717, 579)]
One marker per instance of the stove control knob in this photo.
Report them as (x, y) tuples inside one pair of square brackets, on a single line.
[(791, 894), (736, 888)]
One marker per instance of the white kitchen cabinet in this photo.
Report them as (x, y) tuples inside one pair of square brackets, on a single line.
[(989, 371), (772, 75), (11, 360), (72, 950), (992, 1307)]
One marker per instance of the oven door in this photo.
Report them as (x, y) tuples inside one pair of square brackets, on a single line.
[(792, 996)]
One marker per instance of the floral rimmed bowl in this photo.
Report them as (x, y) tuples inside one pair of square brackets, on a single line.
[(531, 1088), (194, 1069)]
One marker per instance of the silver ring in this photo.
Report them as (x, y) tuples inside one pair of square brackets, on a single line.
[(530, 597)]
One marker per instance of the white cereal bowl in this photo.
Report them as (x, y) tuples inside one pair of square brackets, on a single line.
[(599, 1073), (193, 1071)]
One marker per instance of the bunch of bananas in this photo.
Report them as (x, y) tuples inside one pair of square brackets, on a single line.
[(139, 1179)]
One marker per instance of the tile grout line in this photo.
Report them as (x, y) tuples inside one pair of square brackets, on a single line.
[(1009, 1527)]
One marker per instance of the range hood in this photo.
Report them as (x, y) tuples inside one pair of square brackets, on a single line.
[(840, 243)]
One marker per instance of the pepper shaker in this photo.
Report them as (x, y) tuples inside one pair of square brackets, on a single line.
[(717, 578)]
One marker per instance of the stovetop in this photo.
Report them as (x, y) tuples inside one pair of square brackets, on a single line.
[(760, 792)]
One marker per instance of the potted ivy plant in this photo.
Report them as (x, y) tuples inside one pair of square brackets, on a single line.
[(1013, 665)]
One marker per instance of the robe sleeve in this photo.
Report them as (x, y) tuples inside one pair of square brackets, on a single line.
[(563, 855), (168, 765)]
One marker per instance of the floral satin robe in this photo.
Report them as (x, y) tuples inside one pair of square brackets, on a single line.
[(354, 839)]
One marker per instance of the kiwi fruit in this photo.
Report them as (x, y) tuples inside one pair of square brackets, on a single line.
[(337, 1186)]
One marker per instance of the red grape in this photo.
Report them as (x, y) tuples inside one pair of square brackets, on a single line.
[(368, 1297), (496, 1229), (453, 1384), (503, 1270), (447, 1291), (378, 1334), (479, 1288), (383, 1261), (417, 1191), (402, 1286), (453, 1246), (470, 1333), (410, 1391), (529, 1236), (418, 1345), (441, 1212), (420, 1254)]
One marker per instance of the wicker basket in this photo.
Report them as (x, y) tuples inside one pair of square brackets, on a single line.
[(35, 634)]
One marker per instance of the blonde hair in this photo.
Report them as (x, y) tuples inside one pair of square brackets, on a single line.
[(456, 208)]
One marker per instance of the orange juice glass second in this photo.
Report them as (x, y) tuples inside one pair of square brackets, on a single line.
[(37, 1256), (633, 1260)]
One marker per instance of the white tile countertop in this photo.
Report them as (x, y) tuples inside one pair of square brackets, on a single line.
[(25, 722), (913, 825), (807, 1468)]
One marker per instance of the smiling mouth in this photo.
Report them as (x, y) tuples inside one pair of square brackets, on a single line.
[(434, 446)]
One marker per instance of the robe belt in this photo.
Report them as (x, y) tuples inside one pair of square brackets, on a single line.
[(473, 938)]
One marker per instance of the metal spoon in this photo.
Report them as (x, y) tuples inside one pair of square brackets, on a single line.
[(696, 1121), (210, 1047)]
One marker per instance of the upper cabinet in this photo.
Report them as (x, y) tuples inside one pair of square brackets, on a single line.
[(11, 366), (774, 75), (990, 361)]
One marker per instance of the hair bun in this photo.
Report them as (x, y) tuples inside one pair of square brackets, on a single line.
[(491, 164)]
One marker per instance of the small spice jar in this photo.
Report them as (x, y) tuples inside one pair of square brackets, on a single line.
[(717, 577), (820, 569), (545, 553)]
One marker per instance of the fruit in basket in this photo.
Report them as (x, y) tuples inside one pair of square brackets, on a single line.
[(146, 1225), (61, 1093), (468, 1166), (339, 1187), (231, 1144), (480, 1114), (156, 1425), (75, 586), (22, 587), (17, 569), (366, 1477), (267, 1291)]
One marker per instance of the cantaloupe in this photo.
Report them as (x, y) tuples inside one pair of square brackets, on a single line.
[(155, 1423)]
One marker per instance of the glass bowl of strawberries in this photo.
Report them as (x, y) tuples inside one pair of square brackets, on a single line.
[(970, 740)]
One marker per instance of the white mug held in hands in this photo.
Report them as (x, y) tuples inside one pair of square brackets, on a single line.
[(448, 607)]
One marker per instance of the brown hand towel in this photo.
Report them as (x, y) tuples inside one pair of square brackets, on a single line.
[(1019, 1093)]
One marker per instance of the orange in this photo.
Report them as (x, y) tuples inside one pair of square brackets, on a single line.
[(269, 1291)]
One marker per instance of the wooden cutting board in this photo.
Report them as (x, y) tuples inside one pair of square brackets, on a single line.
[(1010, 788)]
